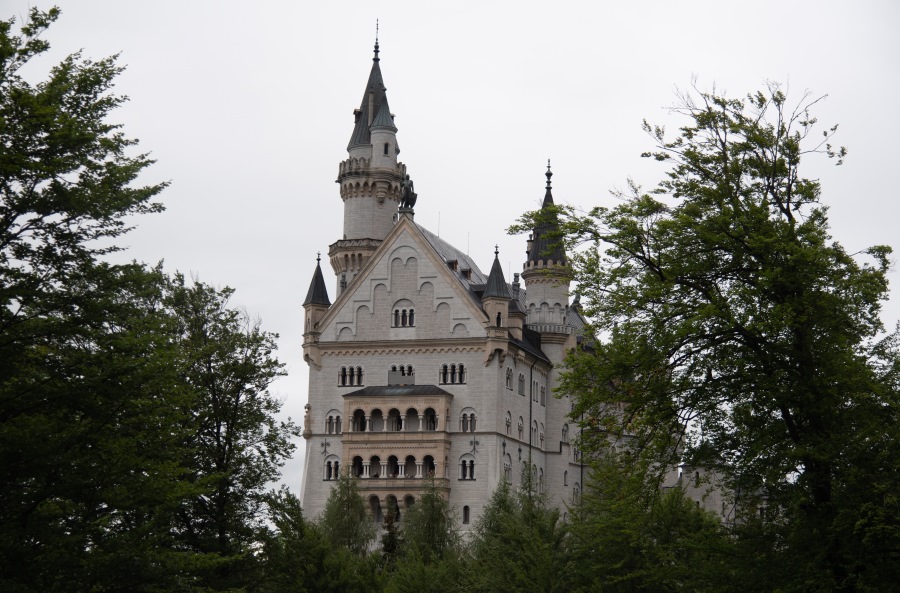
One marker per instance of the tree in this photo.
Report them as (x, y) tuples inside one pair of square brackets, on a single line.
[(732, 331), (519, 543), (235, 444), (345, 521), (89, 408), (298, 558), (627, 536)]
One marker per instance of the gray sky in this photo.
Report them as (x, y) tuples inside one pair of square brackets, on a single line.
[(247, 106)]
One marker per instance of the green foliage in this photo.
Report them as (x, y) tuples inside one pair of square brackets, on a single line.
[(298, 558), (627, 537), (345, 520), (235, 445), (429, 527), (732, 331), (519, 544)]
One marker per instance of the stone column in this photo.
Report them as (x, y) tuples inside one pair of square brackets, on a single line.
[(384, 472), (421, 421), (403, 422), (368, 424), (418, 469), (365, 469)]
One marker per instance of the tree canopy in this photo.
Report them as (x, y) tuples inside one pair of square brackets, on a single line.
[(732, 332)]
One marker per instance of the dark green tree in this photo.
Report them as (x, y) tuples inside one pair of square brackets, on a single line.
[(519, 544), (236, 446), (90, 406), (626, 536), (298, 558), (345, 521), (732, 330)]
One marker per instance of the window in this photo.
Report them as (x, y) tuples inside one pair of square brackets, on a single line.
[(404, 318), (465, 515), (543, 395), (521, 428), (534, 432), (521, 384), (508, 422), (509, 379), (467, 420), (534, 391), (467, 467), (565, 433), (386, 148), (565, 478), (332, 468), (333, 423), (350, 376), (499, 319), (451, 374)]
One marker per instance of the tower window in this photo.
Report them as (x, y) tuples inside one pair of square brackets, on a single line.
[(465, 515), (521, 384), (385, 148)]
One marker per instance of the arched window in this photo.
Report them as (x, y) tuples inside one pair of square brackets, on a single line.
[(412, 318), (543, 395), (509, 374), (508, 422), (467, 467), (534, 433), (499, 319), (337, 425), (444, 375), (542, 435), (396, 317), (462, 374), (359, 376), (332, 468), (403, 318), (521, 427), (453, 373), (386, 148), (465, 515), (342, 377), (329, 425), (521, 384), (541, 480), (352, 376), (467, 420)]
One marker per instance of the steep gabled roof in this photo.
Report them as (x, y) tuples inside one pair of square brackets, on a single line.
[(361, 130), (318, 293)]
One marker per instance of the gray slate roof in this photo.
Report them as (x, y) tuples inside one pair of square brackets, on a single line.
[(545, 248), (399, 390), (496, 284), (318, 292), (361, 131)]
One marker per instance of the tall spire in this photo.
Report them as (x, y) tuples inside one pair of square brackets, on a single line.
[(541, 247), (318, 293), (548, 195), (374, 104)]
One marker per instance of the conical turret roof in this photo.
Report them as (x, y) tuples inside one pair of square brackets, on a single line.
[(544, 247), (318, 293), (496, 284), (379, 107)]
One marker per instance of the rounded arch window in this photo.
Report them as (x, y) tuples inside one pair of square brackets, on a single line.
[(404, 314), (467, 467)]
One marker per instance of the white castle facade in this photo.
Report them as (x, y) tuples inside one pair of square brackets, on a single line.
[(424, 367)]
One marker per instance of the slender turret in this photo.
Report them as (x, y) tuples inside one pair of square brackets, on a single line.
[(370, 180)]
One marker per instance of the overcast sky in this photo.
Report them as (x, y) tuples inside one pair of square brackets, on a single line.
[(247, 106)]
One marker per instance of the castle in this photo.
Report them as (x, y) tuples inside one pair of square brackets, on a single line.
[(424, 367)]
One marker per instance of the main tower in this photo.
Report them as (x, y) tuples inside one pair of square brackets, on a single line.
[(370, 180)]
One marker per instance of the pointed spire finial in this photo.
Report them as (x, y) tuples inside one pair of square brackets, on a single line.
[(549, 173), (376, 58), (496, 250), (318, 257)]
